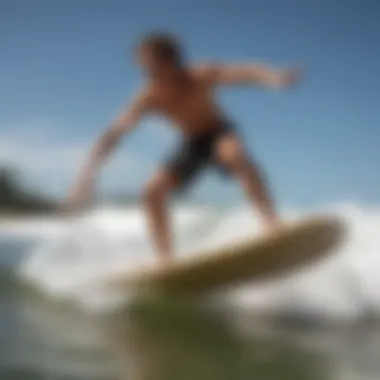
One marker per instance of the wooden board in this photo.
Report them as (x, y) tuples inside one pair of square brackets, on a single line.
[(289, 248)]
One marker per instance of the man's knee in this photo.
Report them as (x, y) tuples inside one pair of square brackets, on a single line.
[(231, 153)]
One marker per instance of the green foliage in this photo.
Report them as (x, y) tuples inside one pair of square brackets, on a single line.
[(16, 198)]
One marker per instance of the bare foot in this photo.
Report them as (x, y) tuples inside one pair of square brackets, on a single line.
[(165, 259), (272, 224)]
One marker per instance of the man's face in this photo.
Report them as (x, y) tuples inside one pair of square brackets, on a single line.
[(153, 65)]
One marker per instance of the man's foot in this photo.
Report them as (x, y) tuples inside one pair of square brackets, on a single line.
[(272, 223), (165, 258)]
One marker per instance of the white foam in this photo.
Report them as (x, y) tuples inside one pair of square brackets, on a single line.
[(105, 242), (109, 241), (35, 227)]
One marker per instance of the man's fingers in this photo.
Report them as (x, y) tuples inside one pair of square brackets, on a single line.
[(293, 76), (297, 74)]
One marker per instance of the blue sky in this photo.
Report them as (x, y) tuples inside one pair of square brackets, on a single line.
[(66, 69)]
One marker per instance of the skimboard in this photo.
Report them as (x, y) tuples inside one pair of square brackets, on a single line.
[(291, 247)]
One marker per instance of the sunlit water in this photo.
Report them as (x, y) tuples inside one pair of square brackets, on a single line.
[(320, 323)]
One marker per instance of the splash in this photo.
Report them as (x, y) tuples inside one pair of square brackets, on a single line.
[(71, 262)]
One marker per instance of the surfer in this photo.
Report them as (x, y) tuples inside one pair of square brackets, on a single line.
[(184, 94)]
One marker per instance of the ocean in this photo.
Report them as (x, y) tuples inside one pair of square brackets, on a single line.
[(58, 322)]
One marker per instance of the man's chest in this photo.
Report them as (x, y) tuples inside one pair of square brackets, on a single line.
[(182, 99)]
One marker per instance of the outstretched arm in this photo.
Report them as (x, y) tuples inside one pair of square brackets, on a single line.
[(249, 73), (103, 148)]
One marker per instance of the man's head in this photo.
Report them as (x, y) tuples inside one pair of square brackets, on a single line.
[(159, 54)]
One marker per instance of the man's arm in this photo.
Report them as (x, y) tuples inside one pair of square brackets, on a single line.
[(249, 73), (120, 126), (104, 146)]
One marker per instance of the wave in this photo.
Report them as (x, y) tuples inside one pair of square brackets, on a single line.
[(73, 258)]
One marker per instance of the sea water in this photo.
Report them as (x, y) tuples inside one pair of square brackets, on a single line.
[(55, 314)]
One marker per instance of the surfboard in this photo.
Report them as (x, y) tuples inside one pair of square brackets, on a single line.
[(291, 247)]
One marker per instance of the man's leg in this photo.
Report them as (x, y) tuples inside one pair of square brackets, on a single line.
[(155, 196), (230, 153)]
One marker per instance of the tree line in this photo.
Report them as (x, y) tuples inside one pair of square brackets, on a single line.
[(17, 198)]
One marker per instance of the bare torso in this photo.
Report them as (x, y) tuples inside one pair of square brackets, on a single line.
[(188, 102)]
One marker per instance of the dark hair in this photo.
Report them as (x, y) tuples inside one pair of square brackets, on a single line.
[(164, 46)]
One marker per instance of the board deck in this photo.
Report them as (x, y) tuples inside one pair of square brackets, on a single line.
[(293, 246)]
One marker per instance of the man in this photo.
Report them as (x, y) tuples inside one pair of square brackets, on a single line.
[(185, 95)]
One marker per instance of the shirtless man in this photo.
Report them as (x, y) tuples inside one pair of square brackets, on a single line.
[(185, 94)]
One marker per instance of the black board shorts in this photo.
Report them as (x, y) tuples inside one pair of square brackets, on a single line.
[(197, 152)]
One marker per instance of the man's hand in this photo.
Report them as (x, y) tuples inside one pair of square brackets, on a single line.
[(81, 194), (289, 77)]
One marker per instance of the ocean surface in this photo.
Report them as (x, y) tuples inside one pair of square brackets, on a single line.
[(57, 321)]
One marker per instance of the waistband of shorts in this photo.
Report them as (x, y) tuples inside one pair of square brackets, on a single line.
[(215, 128)]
